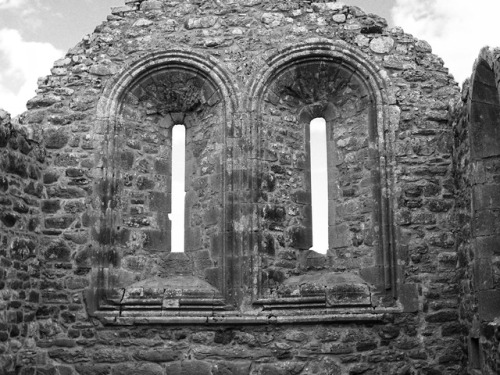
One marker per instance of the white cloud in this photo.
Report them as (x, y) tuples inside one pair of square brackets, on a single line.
[(21, 64), (11, 4), (456, 30)]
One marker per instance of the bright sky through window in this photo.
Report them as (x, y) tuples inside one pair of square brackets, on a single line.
[(178, 187), (319, 185)]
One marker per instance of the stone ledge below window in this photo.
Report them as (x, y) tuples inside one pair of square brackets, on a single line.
[(319, 298), (172, 293), (274, 317), (320, 290)]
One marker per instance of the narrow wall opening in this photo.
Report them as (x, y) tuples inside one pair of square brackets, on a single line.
[(177, 216), (474, 354), (319, 185)]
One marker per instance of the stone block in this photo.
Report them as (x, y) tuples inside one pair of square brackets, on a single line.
[(340, 236), (192, 238), (189, 368), (327, 6), (122, 9), (57, 251), (275, 214), (162, 167), (106, 355), (56, 139), (485, 137), (486, 247), (22, 249), (300, 237), (59, 222), (483, 274), (157, 355), (9, 219), (408, 296), (201, 261), (231, 367), (93, 369), (34, 188), (486, 197), (447, 260), (126, 160), (301, 197), (150, 5), (348, 294), (4, 184), (485, 223), (45, 100), (66, 192), (138, 368), (442, 316), (200, 23), (373, 275), (15, 164), (382, 44), (69, 356), (212, 216), (439, 205), (157, 240), (489, 305)]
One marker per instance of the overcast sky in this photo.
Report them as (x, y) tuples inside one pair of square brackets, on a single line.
[(35, 33)]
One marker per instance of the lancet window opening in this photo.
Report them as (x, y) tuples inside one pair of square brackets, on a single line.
[(178, 186), (319, 184)]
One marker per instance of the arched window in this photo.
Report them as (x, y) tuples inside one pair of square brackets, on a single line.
[(354, 264), (162, 225)]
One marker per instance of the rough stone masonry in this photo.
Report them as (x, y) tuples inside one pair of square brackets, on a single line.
[(410, 283)]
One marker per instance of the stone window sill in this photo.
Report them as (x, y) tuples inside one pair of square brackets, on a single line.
[(289, 316)]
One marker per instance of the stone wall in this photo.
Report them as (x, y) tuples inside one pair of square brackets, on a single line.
[(476, 164), (23, 270), (91, 286)]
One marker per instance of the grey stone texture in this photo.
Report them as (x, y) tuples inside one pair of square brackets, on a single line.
[(410, 283)]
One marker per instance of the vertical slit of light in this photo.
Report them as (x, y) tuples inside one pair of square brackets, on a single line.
[(178, 187), (319, 185)]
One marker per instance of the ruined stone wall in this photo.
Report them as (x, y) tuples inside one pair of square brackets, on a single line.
[(476, 125), (248, 296), (22, 266)]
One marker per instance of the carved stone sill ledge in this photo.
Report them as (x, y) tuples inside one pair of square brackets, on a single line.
[(231, 317)]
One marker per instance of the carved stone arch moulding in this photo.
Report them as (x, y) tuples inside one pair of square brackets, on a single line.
[(135, 272), (332, 80)]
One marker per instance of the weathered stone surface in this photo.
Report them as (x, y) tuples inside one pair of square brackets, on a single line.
[(413, 205), (442, 316), (149, 5), (57, 251), (339, 18), (188, 368), (200, 23), (93, 369), (272, 19), (382, 44), (110, 356), (41, 101), (138, 368), (157, 355)]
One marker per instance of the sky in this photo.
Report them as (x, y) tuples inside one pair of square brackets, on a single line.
[(35, 33)]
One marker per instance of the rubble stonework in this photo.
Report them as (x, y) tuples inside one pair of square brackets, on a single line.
[(409, 284)]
